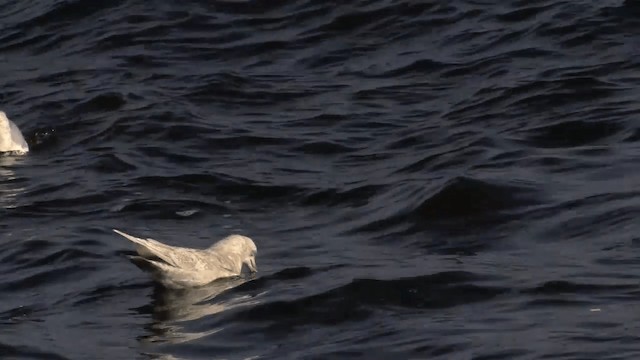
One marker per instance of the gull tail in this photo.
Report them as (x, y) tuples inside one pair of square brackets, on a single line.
[(150, 251)]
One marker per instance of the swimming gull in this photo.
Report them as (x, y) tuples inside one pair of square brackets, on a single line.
[(11, 139), (178, 267)]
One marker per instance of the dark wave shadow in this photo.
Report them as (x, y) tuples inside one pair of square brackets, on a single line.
[(358, 300), (455, 206)]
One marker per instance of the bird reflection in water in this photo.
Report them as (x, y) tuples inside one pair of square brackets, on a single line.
[(10, 186), (172, 310)]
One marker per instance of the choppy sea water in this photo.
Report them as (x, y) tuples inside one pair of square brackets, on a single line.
[(423, 180)]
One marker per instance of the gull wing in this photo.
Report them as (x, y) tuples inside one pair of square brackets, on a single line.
[(151, 249), (179, 257)]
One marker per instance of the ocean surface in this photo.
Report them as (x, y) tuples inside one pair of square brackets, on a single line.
[(423, 179)]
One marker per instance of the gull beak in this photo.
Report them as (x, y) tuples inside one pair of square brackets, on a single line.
[(252, 265)]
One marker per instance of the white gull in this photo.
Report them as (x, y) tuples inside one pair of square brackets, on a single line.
[(178, 267), (11, 139)]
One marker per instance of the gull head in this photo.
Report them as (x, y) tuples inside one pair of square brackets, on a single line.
[(242, 247)]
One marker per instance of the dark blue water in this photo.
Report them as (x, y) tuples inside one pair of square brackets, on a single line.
[(423, 180)]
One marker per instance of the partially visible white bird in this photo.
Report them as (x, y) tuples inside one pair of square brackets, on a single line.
[(178, 267), (11, 139)]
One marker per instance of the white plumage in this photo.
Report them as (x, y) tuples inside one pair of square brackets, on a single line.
[(178, 267), (11, 139)]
